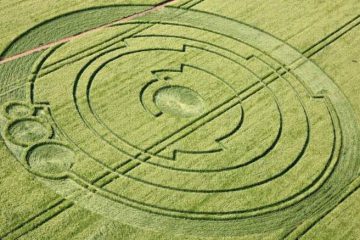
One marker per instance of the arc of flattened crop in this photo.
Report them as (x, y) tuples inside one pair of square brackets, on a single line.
[(148, 90), (171, 154), (185, 47), (167, 151), (150, 107)]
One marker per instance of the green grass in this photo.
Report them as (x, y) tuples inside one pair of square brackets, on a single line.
[(184, 124)]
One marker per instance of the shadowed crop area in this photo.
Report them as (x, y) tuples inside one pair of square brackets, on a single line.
[(183, 119)]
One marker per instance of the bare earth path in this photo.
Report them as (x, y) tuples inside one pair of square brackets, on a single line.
[(67, 39)]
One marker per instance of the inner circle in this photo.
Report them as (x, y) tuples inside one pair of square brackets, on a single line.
[(179, 101)]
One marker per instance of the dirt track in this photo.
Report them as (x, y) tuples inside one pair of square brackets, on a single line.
[(67, 39)]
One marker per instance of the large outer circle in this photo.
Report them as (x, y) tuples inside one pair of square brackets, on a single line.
[(317, 82)]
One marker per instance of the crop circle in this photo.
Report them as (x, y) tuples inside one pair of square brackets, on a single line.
[(50, 158), (25, 131), (260, 133), (18, 110)]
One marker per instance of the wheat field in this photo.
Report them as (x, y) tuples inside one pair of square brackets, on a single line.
[(183, 119)]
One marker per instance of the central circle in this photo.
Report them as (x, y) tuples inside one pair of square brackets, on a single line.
[(179, 101)]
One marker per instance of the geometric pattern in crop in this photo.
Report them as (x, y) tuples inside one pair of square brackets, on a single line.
[(187, 122)]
